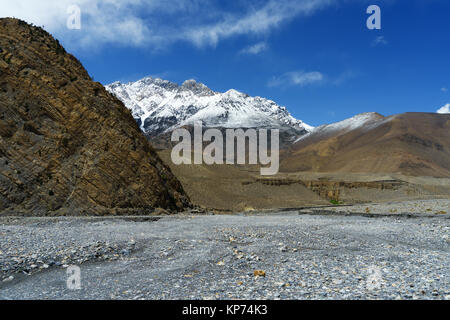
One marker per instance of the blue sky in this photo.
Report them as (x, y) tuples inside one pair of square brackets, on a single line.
[(316, 57)]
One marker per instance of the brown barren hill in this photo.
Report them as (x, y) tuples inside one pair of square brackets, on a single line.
[(414, 144), (67, 146)]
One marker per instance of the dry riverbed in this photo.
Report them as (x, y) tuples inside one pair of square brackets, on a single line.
[(281, 255)]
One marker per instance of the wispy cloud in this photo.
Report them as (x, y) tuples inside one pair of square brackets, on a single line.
[(380, 40), (255, 21), (297, 78), (158, 23), (255, 49), (302, 79), (107, 21), (444, 89), (344, 77), (444, 109)]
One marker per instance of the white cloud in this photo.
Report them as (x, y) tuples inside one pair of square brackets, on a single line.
[(259, 21), (103, 21), (344, 77), (255, 49), (444, 89), (380, 40), (157, 23), (444, 109), (298, 78)]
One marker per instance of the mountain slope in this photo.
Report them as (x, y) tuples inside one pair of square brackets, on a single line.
[(416, 144), (67, 146), (160, 106)]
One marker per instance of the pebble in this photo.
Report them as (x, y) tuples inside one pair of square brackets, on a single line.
[(301, 256)]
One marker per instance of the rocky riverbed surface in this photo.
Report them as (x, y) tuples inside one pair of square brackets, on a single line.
[(278, 255)]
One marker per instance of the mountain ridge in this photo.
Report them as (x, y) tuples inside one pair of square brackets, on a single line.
[(413, 143), (160, 106)]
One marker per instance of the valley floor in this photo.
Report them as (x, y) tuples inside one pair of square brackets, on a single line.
[(304, 255)]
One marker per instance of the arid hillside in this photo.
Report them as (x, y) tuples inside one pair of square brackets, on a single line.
[(368, 158), (414, 144), (67, 146)]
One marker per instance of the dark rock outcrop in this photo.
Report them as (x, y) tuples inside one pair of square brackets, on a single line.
[(67, 146)]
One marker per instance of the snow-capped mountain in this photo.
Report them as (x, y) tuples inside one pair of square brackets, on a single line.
[(160, 106), (366, 120)]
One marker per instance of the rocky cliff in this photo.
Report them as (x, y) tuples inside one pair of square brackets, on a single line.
[(67, 146)]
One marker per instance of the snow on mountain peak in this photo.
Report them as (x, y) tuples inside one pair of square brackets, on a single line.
[(353, 123), (197, 88), (232, 93), (160, 106), (363, 120)]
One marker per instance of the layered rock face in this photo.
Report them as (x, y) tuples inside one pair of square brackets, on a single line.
[(67, 146)]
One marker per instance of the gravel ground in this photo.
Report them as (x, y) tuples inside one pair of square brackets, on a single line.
[(283, 255), (409, 208)]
